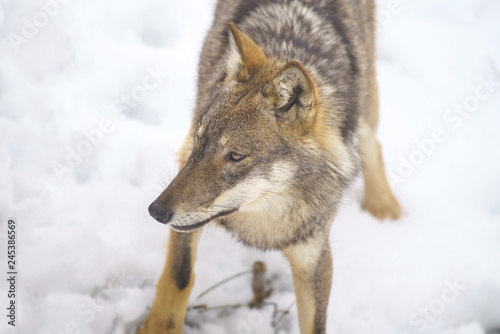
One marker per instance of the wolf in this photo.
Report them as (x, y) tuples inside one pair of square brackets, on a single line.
[(285, 120)]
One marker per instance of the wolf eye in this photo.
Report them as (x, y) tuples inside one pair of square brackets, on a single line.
[(236, 157)]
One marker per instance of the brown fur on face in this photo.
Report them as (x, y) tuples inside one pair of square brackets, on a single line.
[(261, 115)]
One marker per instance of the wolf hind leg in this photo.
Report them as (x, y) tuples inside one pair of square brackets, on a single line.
[(379, 200), (378, 197), (172, 291)]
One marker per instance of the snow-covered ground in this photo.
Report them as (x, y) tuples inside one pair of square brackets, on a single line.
[(96, 96)]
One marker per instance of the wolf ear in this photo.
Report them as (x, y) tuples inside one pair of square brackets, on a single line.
[(244, 55), (295, 93)]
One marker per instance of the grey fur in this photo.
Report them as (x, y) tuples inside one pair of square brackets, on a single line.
[(302, 122)]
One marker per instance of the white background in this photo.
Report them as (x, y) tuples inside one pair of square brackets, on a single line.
[(79, 230)]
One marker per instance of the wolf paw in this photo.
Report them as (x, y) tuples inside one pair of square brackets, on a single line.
[(383, 207), (160, 327)]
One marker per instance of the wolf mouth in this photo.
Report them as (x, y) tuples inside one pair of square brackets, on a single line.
[(192, 227)]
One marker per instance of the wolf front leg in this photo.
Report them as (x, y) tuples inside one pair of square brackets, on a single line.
[(172, 291), (312, 277)]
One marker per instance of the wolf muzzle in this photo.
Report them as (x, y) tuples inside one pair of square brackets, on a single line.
[(160, 213)]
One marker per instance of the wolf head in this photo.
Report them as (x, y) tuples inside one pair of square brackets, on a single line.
[(262, 142)]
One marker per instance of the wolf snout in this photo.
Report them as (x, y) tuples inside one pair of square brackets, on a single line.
[(160, 212)]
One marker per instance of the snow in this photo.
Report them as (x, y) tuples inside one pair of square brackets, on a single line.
[(88, 253)]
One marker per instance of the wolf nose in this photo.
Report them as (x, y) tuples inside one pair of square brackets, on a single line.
[(160, 213)]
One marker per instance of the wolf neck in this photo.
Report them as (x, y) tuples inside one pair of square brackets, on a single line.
[(307, 31), (274, 223), (314, 34)]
